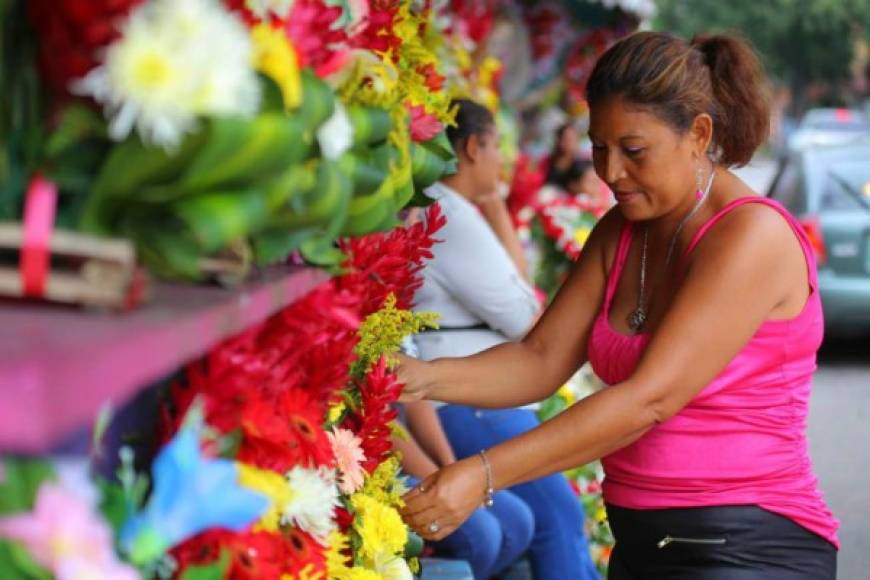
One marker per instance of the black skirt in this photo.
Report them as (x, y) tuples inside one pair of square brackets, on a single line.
[(716, 543)]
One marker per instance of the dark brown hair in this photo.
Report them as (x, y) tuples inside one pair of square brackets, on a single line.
[(677, 80), (471, 119)]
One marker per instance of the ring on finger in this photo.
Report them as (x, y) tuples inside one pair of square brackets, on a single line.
[(434, 527)]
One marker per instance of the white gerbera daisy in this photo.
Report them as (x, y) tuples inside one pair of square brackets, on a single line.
[(315, 497), (175, 60)]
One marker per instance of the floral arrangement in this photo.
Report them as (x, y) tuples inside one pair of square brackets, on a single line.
[(557, 226), (277, 459), (231, 132), (585, 480)]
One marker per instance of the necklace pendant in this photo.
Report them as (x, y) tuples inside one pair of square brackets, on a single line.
[(637, 319)]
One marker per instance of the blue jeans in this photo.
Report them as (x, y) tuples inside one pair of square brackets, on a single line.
[(491, 539), (559, 548)]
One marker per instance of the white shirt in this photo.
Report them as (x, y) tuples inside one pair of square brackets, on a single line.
[(471, 280)]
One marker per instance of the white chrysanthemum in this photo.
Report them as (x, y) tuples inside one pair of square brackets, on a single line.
[(175, 60), (392, 567), (336, 134), (263, 8), (315, 497)]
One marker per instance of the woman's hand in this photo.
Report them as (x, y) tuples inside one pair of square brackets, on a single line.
[(415, 375), (444, 500)]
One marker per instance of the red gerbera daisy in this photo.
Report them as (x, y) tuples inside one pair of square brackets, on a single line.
[(253, 555), (283, 432)]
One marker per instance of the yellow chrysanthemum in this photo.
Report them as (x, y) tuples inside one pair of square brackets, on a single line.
[(272, 485), (380, 527), (275, 57)]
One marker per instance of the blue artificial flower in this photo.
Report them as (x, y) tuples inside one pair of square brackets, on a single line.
[(191, 494)]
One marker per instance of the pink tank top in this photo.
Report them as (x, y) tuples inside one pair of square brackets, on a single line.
[(742, 440)]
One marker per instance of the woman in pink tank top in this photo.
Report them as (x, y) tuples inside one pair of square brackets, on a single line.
[(696, 301)]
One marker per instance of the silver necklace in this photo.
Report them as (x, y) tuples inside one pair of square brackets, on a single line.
[(638, 317)]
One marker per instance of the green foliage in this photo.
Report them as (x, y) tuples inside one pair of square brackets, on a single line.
[(20, 483), (799, 40), (214, 571)]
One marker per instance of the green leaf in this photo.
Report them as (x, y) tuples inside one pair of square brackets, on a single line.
[(241, 151), (21, 481), (168, 254), (366, 177), (271, 98), (551, 407), (77, 123), (325, 205), (214, 571), (426, 166), (370, 125), (129, 167), (440, 145), (318, 103), (16, 562), (276, 244), (414, 546), (216, 219), (322, 251), (113, 503)]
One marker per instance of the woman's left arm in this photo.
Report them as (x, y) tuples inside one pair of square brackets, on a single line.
[(737, 278)]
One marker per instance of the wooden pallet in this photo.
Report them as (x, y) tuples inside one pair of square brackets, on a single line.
[(84, 270)]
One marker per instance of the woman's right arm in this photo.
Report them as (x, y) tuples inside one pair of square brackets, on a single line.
[(518, 373)]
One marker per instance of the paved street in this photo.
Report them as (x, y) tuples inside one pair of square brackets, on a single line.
[(839, 433)]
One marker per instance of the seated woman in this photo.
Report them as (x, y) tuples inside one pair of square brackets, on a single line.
[(477, 282), (491, 539), (582, 182)]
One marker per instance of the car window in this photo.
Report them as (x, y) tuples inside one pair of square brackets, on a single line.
[(846, 186), (788, 188)]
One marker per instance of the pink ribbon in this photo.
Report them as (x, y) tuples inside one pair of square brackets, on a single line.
[(39, 213)]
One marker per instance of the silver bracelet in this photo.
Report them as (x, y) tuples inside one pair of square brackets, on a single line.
[(488, 500)]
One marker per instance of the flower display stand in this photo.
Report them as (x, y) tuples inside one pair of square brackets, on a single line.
[(59, 366)]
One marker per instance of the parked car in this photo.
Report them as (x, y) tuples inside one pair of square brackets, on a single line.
[(820, 127), (828, 190)]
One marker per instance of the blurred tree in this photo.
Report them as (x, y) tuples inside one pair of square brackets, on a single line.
[(800, 41)]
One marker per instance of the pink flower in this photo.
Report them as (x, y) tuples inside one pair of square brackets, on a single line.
[(423, 125), (349, 457), (67, 537)]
